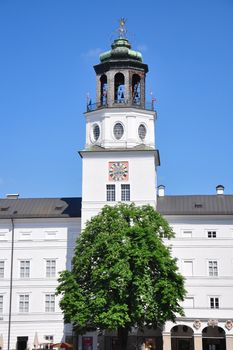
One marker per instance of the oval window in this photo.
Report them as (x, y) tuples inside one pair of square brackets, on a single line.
[(96, 132), (118, 131), (142, 131)]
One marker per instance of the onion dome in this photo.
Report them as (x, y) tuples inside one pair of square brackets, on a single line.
[(121, 49)]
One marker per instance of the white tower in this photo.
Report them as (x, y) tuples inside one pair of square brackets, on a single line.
[(119, 158)]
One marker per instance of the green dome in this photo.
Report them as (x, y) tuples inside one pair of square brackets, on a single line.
[(121, 49)]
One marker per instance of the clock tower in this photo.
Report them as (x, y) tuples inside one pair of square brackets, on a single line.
[(120, 157)]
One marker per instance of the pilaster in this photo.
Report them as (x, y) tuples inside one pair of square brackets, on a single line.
[(229, 342), (167, 341), (197, 341)]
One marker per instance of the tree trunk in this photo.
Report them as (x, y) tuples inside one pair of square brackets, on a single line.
[(123, 338)]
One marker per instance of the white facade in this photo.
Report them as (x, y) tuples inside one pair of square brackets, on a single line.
[(203, 246), (139, 154), (42, 248)]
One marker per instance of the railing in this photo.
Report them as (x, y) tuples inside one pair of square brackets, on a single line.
[(122, 103)]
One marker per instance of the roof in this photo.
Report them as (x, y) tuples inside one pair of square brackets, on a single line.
[(196, 205), (40, 208), (23, 208)]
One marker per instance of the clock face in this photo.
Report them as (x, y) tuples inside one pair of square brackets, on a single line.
[(118, 171)]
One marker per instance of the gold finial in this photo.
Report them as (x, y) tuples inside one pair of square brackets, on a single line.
[(122, 30)]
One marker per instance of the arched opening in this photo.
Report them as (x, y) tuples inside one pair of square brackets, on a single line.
[(103, 90), (213, 338), (136, 89), (119, 84), (182, 338)]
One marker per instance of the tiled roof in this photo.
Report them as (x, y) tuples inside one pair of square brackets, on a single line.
[(40, 208), (196, 205)]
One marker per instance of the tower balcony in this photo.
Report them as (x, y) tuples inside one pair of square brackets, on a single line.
[(148, 105)]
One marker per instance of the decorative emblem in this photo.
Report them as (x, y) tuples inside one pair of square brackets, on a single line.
[(118, 171), (229, 325), (212, 323), (197, 324)]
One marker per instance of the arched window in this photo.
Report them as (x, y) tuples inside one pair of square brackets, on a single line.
[(136, 89), (182, 337), (213, 337), (103, 90), (119, 84)]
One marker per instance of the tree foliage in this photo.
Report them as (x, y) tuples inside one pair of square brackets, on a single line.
[(123, 275)]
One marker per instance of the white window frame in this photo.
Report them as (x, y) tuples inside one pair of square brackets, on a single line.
[(211, 233), (24, 268), (125, 192), (49, 338), (2, 269), (110, 192), (24, 303), (50, 268), (214, 302), (51, 234), (213, 270), (50, 302), (187, 231), (190, 297), (183, 264)]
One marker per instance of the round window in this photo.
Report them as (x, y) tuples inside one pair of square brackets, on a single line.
[(142, 131), (118, 131), (96, 132)]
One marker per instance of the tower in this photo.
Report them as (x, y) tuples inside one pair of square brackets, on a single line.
[(120, 157)]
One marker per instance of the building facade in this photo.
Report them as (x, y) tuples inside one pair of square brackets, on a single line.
[(37, 236)]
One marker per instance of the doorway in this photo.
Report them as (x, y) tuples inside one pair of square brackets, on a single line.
[(213, 338), (22, 343)]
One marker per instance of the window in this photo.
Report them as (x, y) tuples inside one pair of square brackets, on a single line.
[(3, 235), (214, 303), (188, 303), (25, 235), (50, 268), (2, 265), (212, 234), (118, 131), (1, 304), (48, 338), (96, 132), (213, 268), (142, 131), (24, 268), (187, 233), (111, 195), (24, 303), (50, 303), (125, 192), (50, 234), (188, 267)]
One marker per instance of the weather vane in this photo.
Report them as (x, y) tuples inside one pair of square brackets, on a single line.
[(122, 30)]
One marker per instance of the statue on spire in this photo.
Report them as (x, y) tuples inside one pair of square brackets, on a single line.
[(122, 30)]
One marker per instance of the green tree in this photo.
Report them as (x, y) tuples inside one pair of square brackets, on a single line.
[(123, 275)]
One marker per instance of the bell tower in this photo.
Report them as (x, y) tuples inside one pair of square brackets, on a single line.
[(120, 157)]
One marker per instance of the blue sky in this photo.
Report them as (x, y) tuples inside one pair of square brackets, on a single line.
[(48, 48)]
